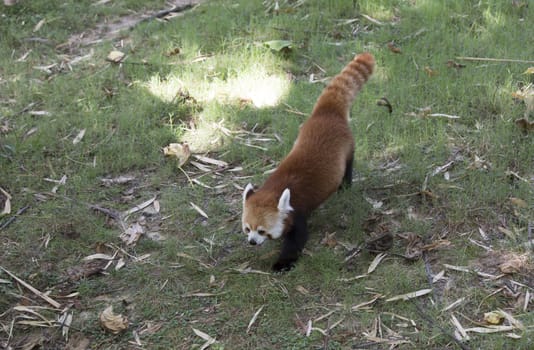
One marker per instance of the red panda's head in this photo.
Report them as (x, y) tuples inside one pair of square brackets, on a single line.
[(264, 215)]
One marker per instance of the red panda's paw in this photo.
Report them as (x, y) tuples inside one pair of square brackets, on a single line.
[(283, 265)]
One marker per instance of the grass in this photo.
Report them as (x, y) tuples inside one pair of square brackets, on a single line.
[(207, 78)]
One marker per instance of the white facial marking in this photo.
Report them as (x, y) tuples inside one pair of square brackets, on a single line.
[(256, 237)]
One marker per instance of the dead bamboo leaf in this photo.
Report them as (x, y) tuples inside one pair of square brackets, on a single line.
[(366, 303), (208, 160), (78, 137), (375, 262), (200, 211), (32, 289), (459, 328), (453, 305), (438, 276), (253, 319), (490, 329), (98, 256), (39, 25), (410, 295), (209, 340), (115, 323), (7, 203), (138, 207), (117, 180)]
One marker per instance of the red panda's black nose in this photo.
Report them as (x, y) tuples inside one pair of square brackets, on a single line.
[(252, 242)]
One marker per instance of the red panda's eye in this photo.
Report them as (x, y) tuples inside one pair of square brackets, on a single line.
[(261, 232)]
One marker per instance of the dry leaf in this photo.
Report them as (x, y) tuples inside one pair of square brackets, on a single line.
[(180, 151), (113, 322), (7, 202), (514, 263), (490, 329), (253, 319), (208, 160), (375, 262), (39, 25), (493, 317), (430, 72), (518, 202), (530, 70), (200, 211), (410, 295), (117, 180), (525, 125), (209, 340), (132, 234), (98, 256), (329, 240), (393, 48), (78, 137), (115, 56)]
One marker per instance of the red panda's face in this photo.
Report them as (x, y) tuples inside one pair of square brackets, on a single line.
[(262, 219)]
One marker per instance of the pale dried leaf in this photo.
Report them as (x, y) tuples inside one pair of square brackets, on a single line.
[(512, 335), (115, 56), (410, 295), (493, 317), (375, 262), (39, 113), (120, 264), (514, 263), (513, 321), (438, 276), (132, 234), (207, 160), (118, 180), (78, 137), (180, 151), (7, 203), (113, 322), (39, 25), (459, 328), (209, 340), (139, 207), (98, 256), (253, 319), (453, 305), (200, 211), (490, 329)]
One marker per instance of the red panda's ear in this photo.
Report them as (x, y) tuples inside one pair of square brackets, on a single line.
[(283, 202), (249, 189)]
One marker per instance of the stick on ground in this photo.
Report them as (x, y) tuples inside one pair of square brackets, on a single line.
[(33, 290)]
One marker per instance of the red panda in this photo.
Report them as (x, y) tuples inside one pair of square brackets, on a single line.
[(317, 165)]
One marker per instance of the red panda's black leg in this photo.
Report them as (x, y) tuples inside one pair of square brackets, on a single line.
[(293, 243), (347, 178)]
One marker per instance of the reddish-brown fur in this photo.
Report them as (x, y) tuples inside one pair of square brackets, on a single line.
[(314, 168), (324, 149)]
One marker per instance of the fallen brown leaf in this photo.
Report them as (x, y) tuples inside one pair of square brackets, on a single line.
[(393, 48), (113, 322)]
